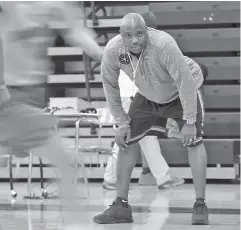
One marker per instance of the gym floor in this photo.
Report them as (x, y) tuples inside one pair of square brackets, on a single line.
[(152, 209)]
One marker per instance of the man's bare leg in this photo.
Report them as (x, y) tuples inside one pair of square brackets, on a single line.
[(155, 160), (198, 162), (120, 211), (125, 163), (144, 162), (160, 172)]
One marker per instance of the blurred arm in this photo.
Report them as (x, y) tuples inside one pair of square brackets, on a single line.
[(78, 35)]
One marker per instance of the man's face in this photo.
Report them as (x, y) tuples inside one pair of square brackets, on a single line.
[(134, 38)]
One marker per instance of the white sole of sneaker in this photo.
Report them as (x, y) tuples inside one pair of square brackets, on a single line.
[(126, 221), (108, 187), (171, 185)]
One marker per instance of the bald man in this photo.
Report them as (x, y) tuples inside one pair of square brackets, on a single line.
[(155, 170), (168, 87)]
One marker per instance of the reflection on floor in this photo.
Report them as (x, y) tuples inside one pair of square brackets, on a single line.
[(152, 209)]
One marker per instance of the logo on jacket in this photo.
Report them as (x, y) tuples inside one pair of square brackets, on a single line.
[(124, 59)]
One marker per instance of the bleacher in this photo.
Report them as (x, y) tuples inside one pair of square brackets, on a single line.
[(209, 32)]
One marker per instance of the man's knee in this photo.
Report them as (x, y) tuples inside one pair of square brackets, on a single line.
[(133, 149), (129, 155), (195, 147)]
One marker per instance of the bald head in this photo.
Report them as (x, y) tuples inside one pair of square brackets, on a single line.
[(132, 20), (134, 32)]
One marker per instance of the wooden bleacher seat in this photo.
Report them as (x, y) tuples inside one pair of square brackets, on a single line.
[(196, 13), (103, 23), (171, 13), (217, 125), (222, 124), (227, 98), (71, 78), (219, 69), (200, 40), (216, 96), (207, 40), (172, 149), (219, 151), (222, 97), (64, 51), (78, 67)]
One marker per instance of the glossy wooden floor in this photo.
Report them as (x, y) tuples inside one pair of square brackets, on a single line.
[(152, 209)]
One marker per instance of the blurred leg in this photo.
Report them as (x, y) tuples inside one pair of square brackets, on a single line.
[(55, 152), (110, 170), (156, 161)]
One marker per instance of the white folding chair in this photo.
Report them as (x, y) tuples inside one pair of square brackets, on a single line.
[(26, 153), (105, 118)]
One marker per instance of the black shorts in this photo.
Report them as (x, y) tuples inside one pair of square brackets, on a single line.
[(146, 116)]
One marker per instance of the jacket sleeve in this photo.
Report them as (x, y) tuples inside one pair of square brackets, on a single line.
[(110, 73), (174, 61)]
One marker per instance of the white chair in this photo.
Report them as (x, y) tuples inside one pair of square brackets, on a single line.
[(103, 117), (23, 153)]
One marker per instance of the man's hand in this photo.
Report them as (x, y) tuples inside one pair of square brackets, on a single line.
[(189, 134), (4, 95), (122, 137)]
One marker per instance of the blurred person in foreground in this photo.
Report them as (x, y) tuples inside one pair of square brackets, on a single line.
[(155, 169), (24, 64), (168, 87)]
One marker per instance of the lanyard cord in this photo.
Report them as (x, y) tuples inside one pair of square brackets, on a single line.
[(135, 69)]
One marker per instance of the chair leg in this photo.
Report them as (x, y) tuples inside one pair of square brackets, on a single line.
[(100, 144), (82, 165), (77, 155), (30, 167), (44, 192), (13, 193), (99, 135)]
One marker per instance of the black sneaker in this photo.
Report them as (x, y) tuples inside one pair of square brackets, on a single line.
[(200, 213), (115, 214)]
